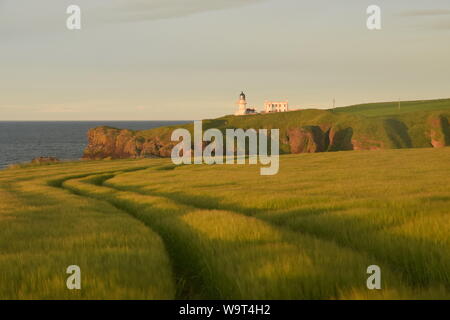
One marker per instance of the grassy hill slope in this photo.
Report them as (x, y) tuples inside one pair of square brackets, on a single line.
[(392, 108)]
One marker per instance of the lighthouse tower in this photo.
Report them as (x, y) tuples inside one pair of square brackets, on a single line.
[(242, 103)]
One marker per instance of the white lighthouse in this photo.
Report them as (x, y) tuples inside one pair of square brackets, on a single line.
[(242, 106)]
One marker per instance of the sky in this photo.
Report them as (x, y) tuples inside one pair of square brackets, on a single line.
[(190, 59)]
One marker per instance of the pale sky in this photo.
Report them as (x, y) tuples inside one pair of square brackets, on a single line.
[(190, 59)]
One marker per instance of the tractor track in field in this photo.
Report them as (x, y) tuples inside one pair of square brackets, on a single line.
[(187, 281), (192, 202), (186, 202)]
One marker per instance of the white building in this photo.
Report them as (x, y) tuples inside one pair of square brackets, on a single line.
[(271, 106)]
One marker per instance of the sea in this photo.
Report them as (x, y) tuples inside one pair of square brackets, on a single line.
[(21, 142)]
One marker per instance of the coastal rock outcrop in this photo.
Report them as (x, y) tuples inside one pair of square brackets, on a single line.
[(110, 142), (106, 142), (312, 139), (340, 139), (308, 139), (42, 160), (439, 131)]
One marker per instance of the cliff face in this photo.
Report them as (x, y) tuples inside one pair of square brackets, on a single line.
[(439, 131), (105, 142), (308, 139), (330, 133), (311, 139)]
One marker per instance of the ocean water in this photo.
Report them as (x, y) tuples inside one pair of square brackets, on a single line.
[(65, 140)]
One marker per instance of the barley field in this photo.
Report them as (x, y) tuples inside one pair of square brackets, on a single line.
[(146, 229)]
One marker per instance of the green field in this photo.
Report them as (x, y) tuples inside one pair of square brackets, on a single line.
[(396, 108), (145, 229)]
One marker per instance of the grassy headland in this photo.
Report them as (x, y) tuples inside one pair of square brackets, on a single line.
[(421, 124), (396, 108)]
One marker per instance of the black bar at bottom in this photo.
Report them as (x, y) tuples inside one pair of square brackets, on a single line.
[(227, 309)]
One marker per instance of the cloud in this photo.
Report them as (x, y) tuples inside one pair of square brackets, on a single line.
[(142, 10), (435, 19), (49, 15), (426, 13), (57, 109)]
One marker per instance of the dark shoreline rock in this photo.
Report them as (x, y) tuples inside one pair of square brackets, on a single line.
[(42, 160)]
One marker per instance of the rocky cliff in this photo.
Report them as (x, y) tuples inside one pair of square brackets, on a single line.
[(439, 130), (300, 132), (106, 142)]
